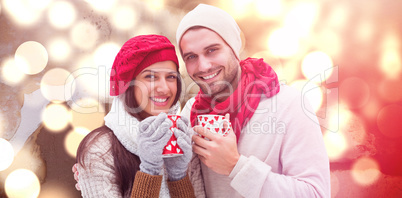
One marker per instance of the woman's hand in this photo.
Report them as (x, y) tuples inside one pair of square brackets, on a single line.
[(153, 135), (177, 166)]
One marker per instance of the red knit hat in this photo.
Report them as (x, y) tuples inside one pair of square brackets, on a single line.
[(137, 54)]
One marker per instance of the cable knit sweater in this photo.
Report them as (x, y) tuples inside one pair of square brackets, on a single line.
[(282, 152), (97, 180)]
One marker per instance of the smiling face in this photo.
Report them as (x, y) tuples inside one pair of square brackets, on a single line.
[(155, 88), (210, 62)]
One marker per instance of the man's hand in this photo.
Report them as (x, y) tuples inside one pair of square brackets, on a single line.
[(220, 153), (75, 171)]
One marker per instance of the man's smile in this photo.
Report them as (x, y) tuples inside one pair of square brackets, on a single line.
[(209, 76)]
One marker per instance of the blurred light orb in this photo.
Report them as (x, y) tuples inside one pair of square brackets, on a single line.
[(390, 90), (283, 43), (311, 91), (102, 5), (105, 54), (335, 144), (87, 106), (301, 17), (391, 63), (391, 40), (6, 154), (73, 140), (84, 35), (389, 121), (87, 113), (269, 9), (10, 74), (82, 62), (330, 41), (62, 14), (124, 18), (365, 171), (56, 117), (156, 4), (354, 92), (339, 118), (365, 30), (22, 183), (31, 57), (87, 80), (25, 12), (370, 111), (339, 16), (103, 57), (57, 85), (59, 49), (236, 8), (317, 66)]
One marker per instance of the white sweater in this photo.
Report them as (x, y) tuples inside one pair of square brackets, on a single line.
[(282, 153)]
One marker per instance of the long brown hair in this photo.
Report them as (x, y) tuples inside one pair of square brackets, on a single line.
[(126, 164)]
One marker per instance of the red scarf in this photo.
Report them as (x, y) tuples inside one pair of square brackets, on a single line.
[(257, 78)]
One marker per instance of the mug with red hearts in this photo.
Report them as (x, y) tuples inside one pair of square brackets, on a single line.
[(172, 149), (215, 123)]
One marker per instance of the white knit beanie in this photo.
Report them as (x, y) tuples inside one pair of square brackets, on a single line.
[(215, 19)]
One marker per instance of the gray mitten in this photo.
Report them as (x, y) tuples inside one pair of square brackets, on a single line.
[(153, 135), (177, 166)]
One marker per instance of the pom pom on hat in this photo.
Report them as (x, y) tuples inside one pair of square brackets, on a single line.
[(137, 54), (215, 19)]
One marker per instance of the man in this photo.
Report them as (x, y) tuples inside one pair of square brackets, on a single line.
[(275, 149)]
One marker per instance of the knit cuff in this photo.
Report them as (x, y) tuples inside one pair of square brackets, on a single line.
[(239, 165), (181, 188), (146, 185)]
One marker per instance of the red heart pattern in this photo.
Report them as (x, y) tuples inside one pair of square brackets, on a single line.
[(214, 123), (172, 148)]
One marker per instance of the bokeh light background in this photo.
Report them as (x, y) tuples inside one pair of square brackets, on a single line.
[(344, 55)]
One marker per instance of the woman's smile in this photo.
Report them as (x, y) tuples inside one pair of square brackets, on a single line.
[(160, 101)]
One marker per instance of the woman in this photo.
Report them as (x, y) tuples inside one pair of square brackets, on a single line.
[(124, 157)]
